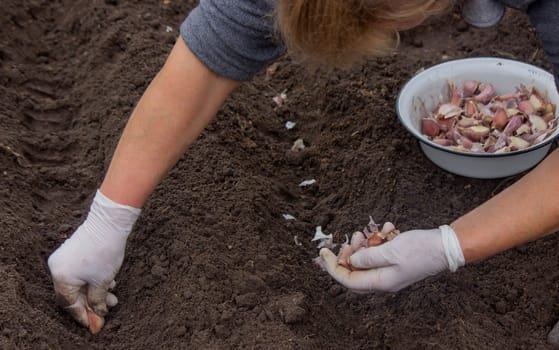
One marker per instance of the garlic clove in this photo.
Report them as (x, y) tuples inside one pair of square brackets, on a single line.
[(388, 227), (465, 122), (375, 240), (471, 108), (455, 96), (537, 101), (516, 143), (470, 87), (512, 111), (537, 122), (526, 107), (446, 124), (475, 133), (548, 117), (513, 124), (500, 119), (523, 129), (96, 322), (448, 110), (442, 141), (430, 127), (549, 108), (486, 94), (358, 240)]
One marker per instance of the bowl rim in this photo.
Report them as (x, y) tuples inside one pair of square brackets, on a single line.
[(421, 138)]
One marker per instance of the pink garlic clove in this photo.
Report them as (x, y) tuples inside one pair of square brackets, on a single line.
[(500, 119), (487, 120), (466, 142), (486, 94), (512, 111), (484, 109), (537, 101), (505, 149), (375, 240), (549, 108), (506, 97), (537, 122), (95, 321), (513, 124), (446, 124), (490, 141), (449, 110), (470, 87), (513, 103), (465, 122), (475, 133), (523, 129), (430, 127), (358, 240), (471, 108), (526, 107), (477, 147), (388, 227), (455, 97), (516, 143), (548, 117)]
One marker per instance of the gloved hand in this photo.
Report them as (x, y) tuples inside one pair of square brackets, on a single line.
[(409, 257), (83, 268)]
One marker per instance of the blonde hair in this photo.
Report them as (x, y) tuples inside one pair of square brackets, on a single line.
[(339, 33)]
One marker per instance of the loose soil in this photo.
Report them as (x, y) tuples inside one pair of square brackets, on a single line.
[(211, 263)]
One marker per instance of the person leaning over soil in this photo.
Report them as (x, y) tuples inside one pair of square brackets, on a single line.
[(225, 42)]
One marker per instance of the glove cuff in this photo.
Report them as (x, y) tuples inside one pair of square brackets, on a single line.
[(452, 249), (110, 216), (109, 203)]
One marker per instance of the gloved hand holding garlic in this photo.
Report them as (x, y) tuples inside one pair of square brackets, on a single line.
[(388, 260)]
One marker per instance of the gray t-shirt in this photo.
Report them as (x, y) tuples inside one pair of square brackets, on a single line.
[(236, 38)]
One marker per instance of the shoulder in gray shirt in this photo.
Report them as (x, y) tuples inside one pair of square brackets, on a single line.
[(234, 38)]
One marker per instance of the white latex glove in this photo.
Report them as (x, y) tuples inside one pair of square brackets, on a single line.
[(408, 258), (83, 268)]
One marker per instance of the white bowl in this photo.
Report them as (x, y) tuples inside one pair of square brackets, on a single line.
[(430, 86)]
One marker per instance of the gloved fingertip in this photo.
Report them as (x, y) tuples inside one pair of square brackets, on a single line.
[(97, 300), (111, 300), (112, 285), (358, 240), (78, 312), (328, 256)]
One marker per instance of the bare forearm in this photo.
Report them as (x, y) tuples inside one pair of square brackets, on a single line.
[(175, 108), (525, 211)]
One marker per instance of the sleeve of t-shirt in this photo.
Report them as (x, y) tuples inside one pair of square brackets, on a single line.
[(233, 38), (544, 15)]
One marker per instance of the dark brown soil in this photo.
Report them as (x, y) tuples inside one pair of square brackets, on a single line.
[(212, 264)]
